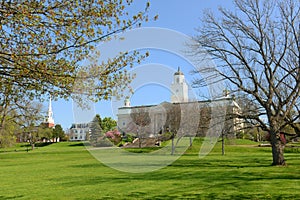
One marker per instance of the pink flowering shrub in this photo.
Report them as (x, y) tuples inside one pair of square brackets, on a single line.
[(114, 136)]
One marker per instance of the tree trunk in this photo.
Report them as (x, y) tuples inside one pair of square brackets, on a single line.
[(173, 146), (139, 139), (223, 144), (31, 141), (277, 149), (32, 145)]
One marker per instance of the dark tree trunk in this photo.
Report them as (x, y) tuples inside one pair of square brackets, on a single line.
[(277, 149)]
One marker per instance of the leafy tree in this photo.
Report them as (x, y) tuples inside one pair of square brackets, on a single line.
[(108, 124), (18, 109), (7, 137), (7, 123), (42, 43), (58, 133), (22, 115), (256, 48), (43, 134)]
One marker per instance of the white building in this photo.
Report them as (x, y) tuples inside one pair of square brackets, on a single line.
[(179, 98), (79, 132)]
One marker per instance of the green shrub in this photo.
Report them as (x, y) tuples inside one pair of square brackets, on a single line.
[(128, 138)]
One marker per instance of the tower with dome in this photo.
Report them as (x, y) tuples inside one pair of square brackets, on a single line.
[(179, 88)]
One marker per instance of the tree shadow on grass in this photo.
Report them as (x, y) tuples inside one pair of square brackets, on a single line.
[(11, 197), (42, 144), (38, 144), (77, 145)]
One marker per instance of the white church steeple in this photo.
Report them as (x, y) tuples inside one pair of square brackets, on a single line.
[(179, 88), (49, 119)]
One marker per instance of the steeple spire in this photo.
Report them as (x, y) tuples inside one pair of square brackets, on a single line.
[(178, 72), (49, 119)]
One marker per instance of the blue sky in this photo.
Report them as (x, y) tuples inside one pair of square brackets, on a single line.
[(182, 16)]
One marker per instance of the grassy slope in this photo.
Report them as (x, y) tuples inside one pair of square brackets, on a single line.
[(68, 171)]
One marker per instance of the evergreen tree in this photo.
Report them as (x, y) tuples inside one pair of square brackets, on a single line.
[(95, 130)]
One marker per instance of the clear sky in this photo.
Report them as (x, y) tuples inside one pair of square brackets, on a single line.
[(179, 16)]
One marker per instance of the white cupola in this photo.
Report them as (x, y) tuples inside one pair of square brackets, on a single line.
[(179, 88)]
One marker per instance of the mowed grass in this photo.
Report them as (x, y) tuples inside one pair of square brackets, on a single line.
[(69, 171)]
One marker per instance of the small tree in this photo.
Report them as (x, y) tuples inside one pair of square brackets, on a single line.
[(114, 136), (17, 114), (141, 118), (7, 137), (173, 120), (182, 121), (95, 130), (32, 134)]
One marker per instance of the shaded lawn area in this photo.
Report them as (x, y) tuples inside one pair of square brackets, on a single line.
[(68, 171)]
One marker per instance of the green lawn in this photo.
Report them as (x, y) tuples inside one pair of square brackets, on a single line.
[(69, 171)]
